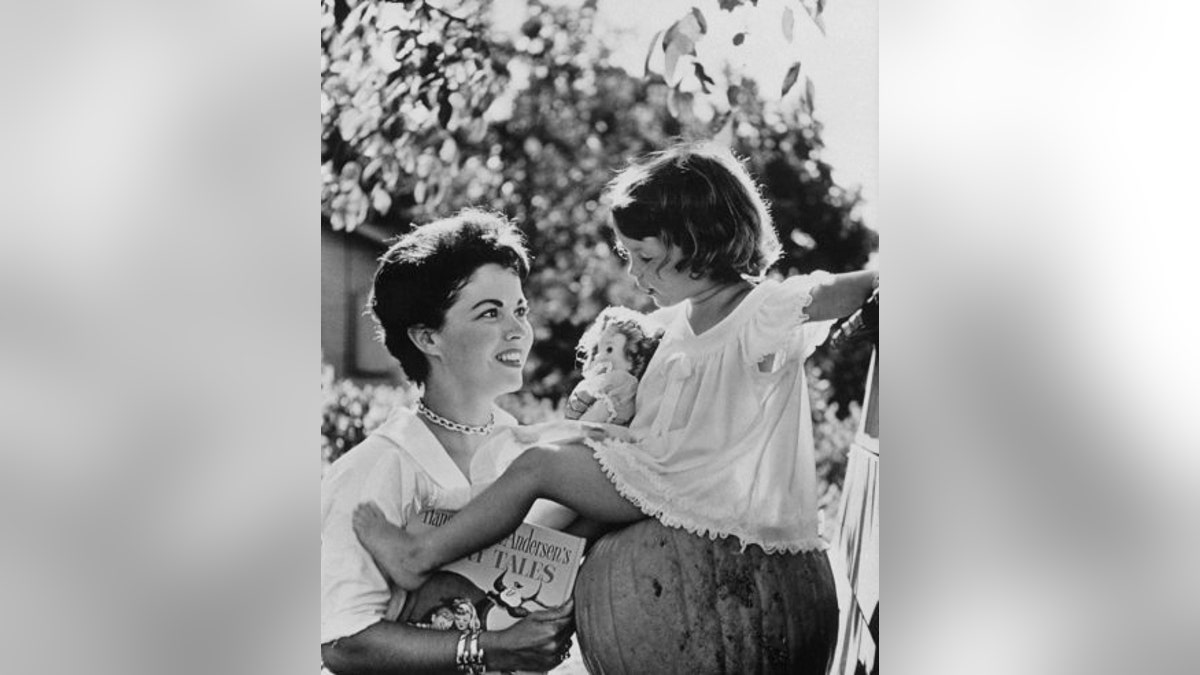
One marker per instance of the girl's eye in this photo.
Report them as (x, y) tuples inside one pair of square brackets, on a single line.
[(645, 260), (609, 350), (489, 314), (522, 312)]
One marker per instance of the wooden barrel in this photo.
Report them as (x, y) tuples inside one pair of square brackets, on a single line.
[(654, 599)]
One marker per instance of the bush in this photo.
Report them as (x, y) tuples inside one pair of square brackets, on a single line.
[(351, 411)]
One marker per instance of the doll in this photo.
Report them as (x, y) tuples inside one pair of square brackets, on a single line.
[(613, 354)]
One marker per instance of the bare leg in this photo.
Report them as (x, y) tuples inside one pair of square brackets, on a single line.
[(569, 475)]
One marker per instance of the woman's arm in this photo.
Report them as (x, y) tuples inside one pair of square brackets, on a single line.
[(392, 647), (536, 642), (844, 294)]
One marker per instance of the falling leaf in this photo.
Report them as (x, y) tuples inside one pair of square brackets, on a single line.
[(810, 93), (730, 5), (700, 20), (788, 23), (739, 39), (790, 79), (705, 80), (733, 93)]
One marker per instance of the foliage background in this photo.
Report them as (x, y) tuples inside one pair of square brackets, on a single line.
[(429, 107)]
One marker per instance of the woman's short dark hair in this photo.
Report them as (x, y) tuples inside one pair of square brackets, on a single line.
[(697, 196), (421, 274)]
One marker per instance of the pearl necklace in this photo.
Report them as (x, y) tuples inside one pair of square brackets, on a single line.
[(455, 426)]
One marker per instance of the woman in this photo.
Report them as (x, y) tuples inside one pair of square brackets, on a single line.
[(448, 301)]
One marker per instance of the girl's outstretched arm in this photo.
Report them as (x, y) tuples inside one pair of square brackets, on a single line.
[(844, 294)]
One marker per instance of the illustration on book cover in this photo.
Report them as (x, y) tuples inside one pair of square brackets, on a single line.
[(533, 568)]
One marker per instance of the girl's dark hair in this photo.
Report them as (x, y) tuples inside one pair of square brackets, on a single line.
[(697, 196), (421, 274), (641, 340)]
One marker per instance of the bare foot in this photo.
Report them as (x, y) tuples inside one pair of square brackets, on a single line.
[(394, 550)]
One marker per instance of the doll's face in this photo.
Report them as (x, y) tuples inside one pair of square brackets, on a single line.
[(610, 352)]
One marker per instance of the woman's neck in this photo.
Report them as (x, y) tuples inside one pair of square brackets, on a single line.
[(469, 410), (457, 406), (710, 306)]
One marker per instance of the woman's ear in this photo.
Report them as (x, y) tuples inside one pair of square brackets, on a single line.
[(423, 338)]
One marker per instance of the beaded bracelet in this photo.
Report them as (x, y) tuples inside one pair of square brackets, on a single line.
[(468, 655)]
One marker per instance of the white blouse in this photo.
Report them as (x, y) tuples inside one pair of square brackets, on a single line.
[(405, 470), (722, 442)]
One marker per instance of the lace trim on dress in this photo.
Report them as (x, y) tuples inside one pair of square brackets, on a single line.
[(608, 453)]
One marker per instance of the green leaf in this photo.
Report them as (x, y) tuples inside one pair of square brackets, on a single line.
[(730, 5), (733, 93), (790, 79), (700, 20), (788, 23)]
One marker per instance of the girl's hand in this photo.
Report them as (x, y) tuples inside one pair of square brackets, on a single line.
[(538, 642)]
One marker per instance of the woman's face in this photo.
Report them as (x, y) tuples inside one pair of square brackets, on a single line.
[(486, 336), (653, 265)]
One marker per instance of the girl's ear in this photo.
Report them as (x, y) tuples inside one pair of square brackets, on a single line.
[(423, 338)]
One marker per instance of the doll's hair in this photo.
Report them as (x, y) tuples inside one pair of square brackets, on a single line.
[(420, 276), (697, 196), (641, 338)]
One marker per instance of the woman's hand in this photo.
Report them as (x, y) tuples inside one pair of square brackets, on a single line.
[(538, 642)]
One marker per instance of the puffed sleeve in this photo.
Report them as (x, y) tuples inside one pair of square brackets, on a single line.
[(780, 325)]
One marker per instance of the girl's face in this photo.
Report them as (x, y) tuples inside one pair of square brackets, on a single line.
[(653, 265), (486, 337)]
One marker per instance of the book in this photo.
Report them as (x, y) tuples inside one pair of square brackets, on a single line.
[(531, 569)]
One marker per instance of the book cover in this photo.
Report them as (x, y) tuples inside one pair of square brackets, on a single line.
[(533, 568)]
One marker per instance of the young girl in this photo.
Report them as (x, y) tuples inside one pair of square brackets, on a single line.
[(721, 443)]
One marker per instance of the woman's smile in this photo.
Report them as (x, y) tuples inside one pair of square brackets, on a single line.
[(513, 358)]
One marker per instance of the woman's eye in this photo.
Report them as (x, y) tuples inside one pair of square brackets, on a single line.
[(522, 312), (608, 351), (644, 259), (489, 314)]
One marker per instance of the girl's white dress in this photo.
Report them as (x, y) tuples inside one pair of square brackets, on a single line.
[(722, 442)]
